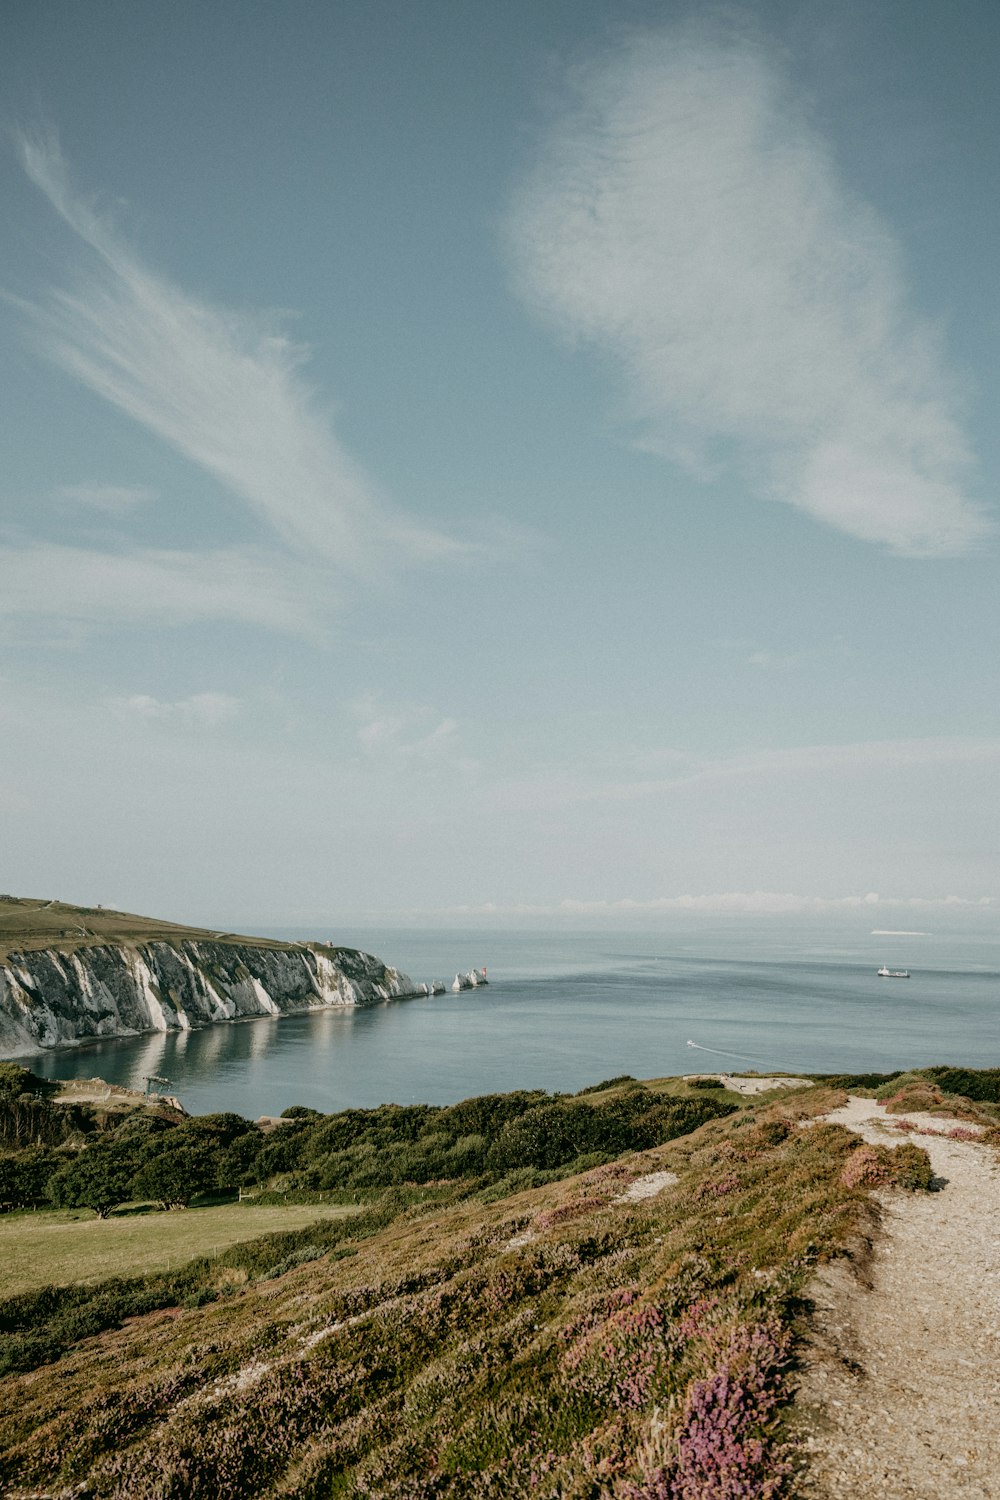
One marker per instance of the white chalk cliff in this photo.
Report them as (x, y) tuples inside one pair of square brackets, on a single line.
[(53, 999)]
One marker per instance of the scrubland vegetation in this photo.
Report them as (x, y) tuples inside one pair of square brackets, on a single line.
[(505, 1314)]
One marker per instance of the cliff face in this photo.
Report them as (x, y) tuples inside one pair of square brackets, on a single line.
[(52, 999)]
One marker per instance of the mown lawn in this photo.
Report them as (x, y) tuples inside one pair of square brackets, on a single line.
[(60, 1247)]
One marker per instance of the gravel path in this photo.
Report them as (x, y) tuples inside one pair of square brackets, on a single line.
[(901, 1391)]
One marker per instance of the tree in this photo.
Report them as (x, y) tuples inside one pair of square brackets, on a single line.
[(179, 1170), (16, 1080), (99, 1178), (25, 1176)]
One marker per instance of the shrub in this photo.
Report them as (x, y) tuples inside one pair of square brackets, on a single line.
[(618, 1081), (718, 1187), (200, 1297), (919, 1096), (15, 1080), (771, 1132), (897, 1081), (576, 1209), (981, 1084), (906, 1166), (874, 1081), (299, 1257), (911, 1167), (866, 1167)]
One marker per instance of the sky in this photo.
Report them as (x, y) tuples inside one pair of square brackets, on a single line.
[(472, 464)]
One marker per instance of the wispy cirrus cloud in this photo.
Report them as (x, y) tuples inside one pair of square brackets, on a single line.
[(112, 499), (685, 215), (226, 390), (199, 710), (653, 774), (87, 587), (411, 737)]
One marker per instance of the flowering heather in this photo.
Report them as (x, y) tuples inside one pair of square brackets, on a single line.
[(577, 1209), (866, 1167), (718, 1187), (611, 1172), (906, 1166), (702, 1315), (726, 1447), (916, 1095)]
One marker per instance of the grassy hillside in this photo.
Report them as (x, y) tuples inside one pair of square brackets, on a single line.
[(26, 924), (620, 1324), (71, 1246)]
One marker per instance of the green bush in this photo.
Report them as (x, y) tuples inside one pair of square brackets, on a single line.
[(899, 1081), (609, 1083), (911, 1168), (854, 1080), (981, 1084), (201, 1297), (25, 1176), (907, 1166), (15, 1080)]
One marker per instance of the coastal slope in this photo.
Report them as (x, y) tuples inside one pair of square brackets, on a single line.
[(71, 974)]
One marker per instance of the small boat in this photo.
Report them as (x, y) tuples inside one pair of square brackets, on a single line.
[(885, 973)]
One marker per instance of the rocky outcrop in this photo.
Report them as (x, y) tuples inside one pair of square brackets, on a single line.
[(470, 981), (53, 999)]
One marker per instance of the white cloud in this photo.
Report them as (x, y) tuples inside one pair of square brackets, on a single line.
[(225, 390), (721, 903), (88, 587), (859, 756), (114, 499), (634, 778), (207, 710), (774, 661), (408, 734), (685, 214)]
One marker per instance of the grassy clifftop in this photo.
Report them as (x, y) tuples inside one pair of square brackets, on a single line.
[(27, 924)]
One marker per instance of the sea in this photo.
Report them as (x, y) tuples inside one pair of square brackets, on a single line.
[(566, 1009)]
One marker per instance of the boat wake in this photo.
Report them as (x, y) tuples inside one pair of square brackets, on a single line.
[(718, 1052)]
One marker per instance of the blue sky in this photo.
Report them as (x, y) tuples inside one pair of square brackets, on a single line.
[(500, 463)]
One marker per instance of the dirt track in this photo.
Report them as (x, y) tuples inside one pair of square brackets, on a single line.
[(901, 1394)]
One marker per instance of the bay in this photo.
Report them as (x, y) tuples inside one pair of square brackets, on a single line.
[(567, 1009)]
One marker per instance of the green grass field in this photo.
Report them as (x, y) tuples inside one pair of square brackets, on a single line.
[(65, 1246)]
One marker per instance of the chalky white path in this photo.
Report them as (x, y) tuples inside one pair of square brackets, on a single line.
[(903, 1391)]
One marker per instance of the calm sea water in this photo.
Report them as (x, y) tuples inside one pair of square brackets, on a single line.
[(563, 1010)]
